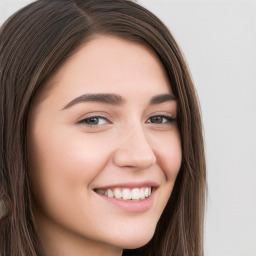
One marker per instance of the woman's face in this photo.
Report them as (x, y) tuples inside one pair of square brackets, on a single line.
[(103, 134)]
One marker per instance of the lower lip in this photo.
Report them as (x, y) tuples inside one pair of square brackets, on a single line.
[(131, 205)]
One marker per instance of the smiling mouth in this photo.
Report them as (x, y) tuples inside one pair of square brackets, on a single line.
[(133, 194)]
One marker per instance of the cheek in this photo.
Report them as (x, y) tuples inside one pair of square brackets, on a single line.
[(62, 162), (169, 155)]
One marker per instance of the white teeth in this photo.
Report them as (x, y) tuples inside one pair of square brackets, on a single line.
[(136, 194), (146, 192), (126, 193), (142, 193), (149, 191), (118, 193), (110, 193)]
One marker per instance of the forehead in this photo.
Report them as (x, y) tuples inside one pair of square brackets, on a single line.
[(110, 64)]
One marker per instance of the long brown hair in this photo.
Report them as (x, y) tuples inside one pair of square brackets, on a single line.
[(37, 40)]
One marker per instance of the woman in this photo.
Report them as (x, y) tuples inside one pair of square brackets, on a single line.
[(101, 138)]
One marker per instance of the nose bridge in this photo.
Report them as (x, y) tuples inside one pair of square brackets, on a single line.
[(134, 149)]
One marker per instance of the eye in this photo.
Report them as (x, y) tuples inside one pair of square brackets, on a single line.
[(94, 120), (161, 119)]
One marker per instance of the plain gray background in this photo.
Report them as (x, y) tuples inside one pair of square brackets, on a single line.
[(218, 39)]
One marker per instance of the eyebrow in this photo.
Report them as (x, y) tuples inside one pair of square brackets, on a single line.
[(162, 98), (114, 99), (107, 98)]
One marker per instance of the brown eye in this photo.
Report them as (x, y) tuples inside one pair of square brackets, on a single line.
[(156, 119), (94, 120), (161, 119)]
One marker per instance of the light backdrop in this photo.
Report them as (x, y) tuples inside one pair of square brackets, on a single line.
[(218, 39)]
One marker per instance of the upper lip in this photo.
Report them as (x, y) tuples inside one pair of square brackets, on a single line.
[(130, 185)]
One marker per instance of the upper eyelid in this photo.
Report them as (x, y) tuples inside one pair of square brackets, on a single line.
[(169, 118), (109, 118), (95, 114), (82, 119), (162, 113), (98, 116)]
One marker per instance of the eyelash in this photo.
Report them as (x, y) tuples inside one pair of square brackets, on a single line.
[(85, 120), (169, 119)]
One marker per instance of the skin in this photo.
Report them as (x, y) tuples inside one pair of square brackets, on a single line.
[(68, 157)]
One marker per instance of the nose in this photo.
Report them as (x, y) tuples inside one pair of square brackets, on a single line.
[(135, 151)]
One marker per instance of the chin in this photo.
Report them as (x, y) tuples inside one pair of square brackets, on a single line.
[(137, 244), (135, 239)]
